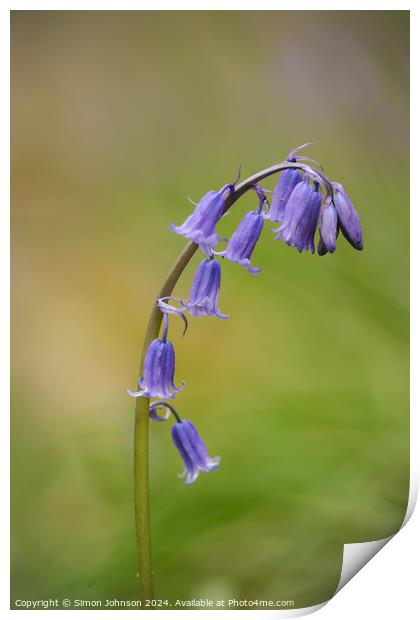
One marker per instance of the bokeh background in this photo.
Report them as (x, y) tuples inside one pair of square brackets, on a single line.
[(117, 117)]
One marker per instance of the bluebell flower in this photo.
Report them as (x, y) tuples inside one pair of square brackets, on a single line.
[(204, 294), (244, 239), (348, 219), (328, 228), (285, 185), (301, 217), (188, 442), (159, 369), (200, 226), (192, 450)]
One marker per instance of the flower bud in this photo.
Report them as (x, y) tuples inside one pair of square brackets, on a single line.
[(348, 219), (328, 228)]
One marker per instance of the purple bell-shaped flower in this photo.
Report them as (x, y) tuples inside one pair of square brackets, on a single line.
[(188, 442), (301, 217), (243, 241), (159, 369), (200, 226), (285, 186), (204, 294), (192, 450)]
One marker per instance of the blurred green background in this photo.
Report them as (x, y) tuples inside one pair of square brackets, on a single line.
[(117, 117)]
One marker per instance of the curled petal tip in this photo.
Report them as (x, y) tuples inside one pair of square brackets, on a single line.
[(253, 270), (180, 389), (223, 316), (135, 394)]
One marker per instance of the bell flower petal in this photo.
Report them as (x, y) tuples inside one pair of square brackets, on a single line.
[(243, 241), (159, 369), (192, 450), (200, 226), (204, 294), (285, 186)]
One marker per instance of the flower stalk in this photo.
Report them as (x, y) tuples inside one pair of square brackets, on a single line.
[(231, 194)]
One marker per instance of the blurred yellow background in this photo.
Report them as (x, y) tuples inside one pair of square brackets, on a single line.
[(117, 117)]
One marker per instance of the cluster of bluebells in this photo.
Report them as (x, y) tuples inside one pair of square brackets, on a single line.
[(303, 202), (300, 207)]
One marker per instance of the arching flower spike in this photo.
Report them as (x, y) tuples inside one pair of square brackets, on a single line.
[(159, 369)]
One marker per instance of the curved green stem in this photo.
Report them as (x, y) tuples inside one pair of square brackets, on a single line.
[(141, 438), (141, 425)]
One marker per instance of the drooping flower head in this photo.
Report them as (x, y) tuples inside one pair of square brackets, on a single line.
[(301, 216), (244, 239), (192, 450), (328, 228), (200, 226), (188, 442), (204, 294), (348, 219), (159, 369), (297, 203)]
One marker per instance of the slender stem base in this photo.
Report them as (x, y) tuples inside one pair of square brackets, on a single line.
[(141, 497)]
